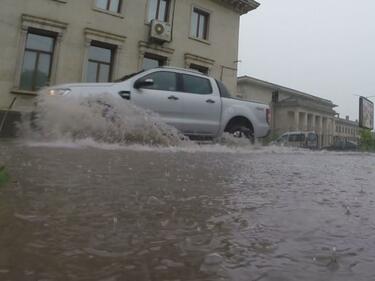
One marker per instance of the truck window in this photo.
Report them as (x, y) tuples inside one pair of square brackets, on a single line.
[(224, 93), (163, 81), (196, 85)]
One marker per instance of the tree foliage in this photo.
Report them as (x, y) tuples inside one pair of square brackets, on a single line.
[(367, 141)]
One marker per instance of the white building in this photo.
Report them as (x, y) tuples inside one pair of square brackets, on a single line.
[(292, 110), (346, 130)]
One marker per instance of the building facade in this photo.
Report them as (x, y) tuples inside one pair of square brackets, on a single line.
[(48, 42), (292, 110), (346, 130)]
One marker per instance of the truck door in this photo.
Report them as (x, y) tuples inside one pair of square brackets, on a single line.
[(202, 107), (158, 92)]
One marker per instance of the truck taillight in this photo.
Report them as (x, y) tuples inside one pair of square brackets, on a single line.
[(268, 115)]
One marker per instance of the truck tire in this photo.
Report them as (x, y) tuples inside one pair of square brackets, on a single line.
[(241, 131)]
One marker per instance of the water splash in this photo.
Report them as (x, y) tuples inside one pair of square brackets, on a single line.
[(101, 118)]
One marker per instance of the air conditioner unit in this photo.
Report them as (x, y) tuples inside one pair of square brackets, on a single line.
[(160, 31)]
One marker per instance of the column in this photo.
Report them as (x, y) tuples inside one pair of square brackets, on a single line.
[(312, 122), (141, 55), (319, 127), (55, 59), (19, 60), (85, 59), (332, 130), (296, 120), (116, 66), (304, 122), (324, 130)]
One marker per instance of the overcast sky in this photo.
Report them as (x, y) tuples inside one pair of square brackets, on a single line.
[(322, 47)]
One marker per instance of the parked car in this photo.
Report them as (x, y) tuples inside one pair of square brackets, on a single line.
[(298, 139), (343, 145), (196, 104)]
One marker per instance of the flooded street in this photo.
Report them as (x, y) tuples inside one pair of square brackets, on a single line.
[(74, 212)]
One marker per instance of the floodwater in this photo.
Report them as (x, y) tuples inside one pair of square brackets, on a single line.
[(103, 212), (103, 190)]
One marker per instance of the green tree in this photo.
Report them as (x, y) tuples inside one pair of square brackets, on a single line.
[(367, 141)]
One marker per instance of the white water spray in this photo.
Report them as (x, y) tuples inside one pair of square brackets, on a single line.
[(102, 119)]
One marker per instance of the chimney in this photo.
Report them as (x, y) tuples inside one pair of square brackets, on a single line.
[(347, 117)]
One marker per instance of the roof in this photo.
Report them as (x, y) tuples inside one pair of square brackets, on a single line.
[(347, 121), (277, 87), (242, 6)]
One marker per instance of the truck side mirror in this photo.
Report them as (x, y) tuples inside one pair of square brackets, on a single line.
[(141, 83)]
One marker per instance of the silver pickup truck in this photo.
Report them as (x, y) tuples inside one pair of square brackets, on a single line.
[(197, 105)]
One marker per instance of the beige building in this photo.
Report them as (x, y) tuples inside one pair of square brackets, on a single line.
[(47, 42), (346, 130), (292, 110)]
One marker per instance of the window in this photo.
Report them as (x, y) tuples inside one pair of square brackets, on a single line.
[(196, 85), (199, 68), (163, 80), (199, 24), (158, 9), (152, 61), (100, 63), (224, 93), (109, 5), (37, 60), (296, 137)]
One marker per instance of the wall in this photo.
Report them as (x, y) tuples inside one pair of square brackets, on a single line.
[(259, 93), (346, 130)]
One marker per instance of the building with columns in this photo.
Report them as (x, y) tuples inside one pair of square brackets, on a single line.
[(48, 42), (292, 110), (346, 130)]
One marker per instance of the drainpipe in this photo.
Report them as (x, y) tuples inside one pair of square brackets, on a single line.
[(173, 12)]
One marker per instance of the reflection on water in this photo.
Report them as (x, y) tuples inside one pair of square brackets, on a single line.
[(88, 213)]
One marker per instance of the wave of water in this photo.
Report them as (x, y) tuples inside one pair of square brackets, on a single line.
[(101, 119)]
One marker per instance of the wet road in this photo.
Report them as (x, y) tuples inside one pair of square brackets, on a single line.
[(85, 213)]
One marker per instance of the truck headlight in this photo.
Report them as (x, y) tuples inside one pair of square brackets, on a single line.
[(58, 92)]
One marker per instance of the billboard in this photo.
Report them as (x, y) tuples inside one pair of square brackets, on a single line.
[(366, 113)]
